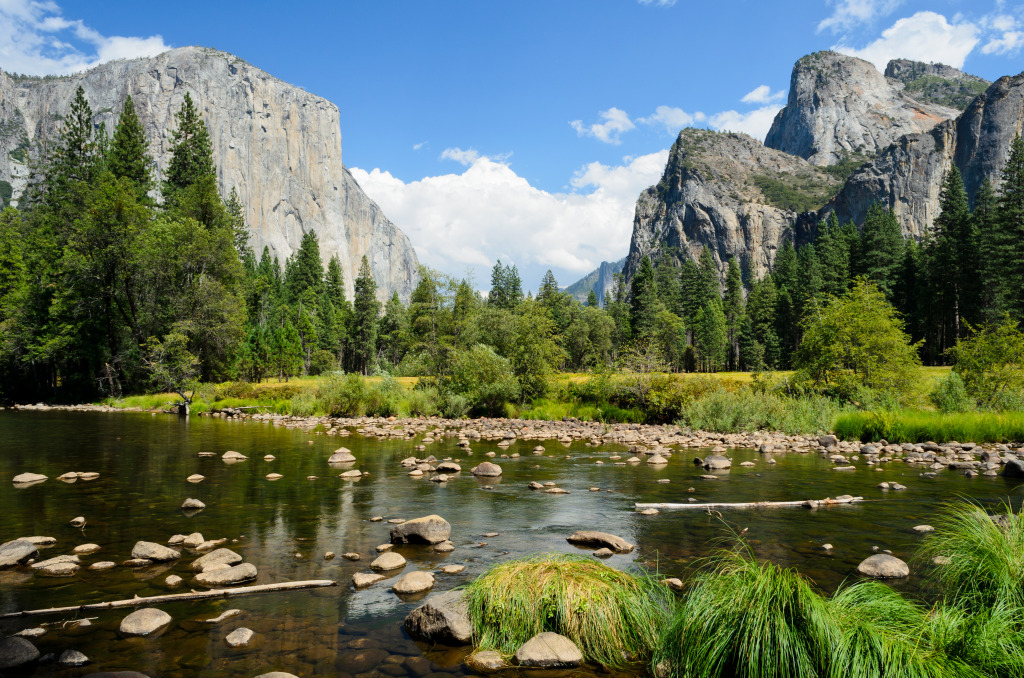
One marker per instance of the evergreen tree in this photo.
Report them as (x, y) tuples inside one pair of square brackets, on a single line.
[(394, 331), (129, 152), (809, 278), (236, 215), (762, 306), (666, 278), (643, 301), (881, 249), (833, 249), (710, 337), (191, 150), (592, 299), (690, 294), (305, 270), (1009, 243), (989, 245), (366, 310), (708, 287), (548, 292), (732, 305)]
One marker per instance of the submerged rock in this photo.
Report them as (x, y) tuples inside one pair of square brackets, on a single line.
[(240, 637), (487, 660), (432, 529), (17, 552), (442, 618), (549, 650)]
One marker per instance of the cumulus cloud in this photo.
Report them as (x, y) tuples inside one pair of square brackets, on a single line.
[(847, 14), (762, 94), (37, 39), (924, 36), (1007, 37), (756, 123), (489, 211), (616, 122), (672, 119)]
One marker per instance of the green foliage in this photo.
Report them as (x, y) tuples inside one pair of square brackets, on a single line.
[(322, 362), (613, 617), (129, 151), (991, 362), (858, 340), (956, 94), (366, 310), (795, 192), (880, 249), (746, 409), (171, 366), (916, 426), (191, 151), (6, 193), (950, 395), (485, 379)]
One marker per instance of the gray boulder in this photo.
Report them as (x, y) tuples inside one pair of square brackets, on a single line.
[(192, 504), (342, 455), (883, 566), (487, 470), (442, 618), (219, 557), (227, 576), (414, 582), (717, 461), (153, 551), (16, 651), (240, 637), (17, 552), (388, 561), (72, 658), (548, 651), (432, 529), (144, 622), (1014, 468), (599, 540)]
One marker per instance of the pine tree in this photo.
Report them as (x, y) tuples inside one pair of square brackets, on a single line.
[(305, 269), (666, 278), (951, 254), (129, 152), (762, 306), (984, 217), (732, 304), (548, 292), (394, 331), (809, 278), (708, 287), (881, 248), (691, 297), (1009, 243), (833, 251), (592, 299), (710, 336), (366, 310), (191, 150), (240, 231), (643, 301)]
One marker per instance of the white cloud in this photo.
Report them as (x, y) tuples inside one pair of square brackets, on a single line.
[(762, 95), (418, 146), (36, 39), (1008, 37), (487, 211), (463, 157), (616, 122), (672, 119), (925, 36), (850, 13), (756, 123)]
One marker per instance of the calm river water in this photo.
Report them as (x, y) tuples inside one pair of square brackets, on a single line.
[(285, 527)]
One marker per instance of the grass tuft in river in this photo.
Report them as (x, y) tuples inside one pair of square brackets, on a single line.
[(614, 617)]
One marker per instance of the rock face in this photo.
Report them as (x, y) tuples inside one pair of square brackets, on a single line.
[(276, 144), (431, 529), (841, 107), (548, 651), (601, 281), (442, 618)]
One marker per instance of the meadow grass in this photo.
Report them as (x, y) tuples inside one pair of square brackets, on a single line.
[(918, 426), (614, 618)]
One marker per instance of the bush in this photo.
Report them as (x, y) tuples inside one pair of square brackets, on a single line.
[(991, 363), (343, 396), (304, 404), (747, 410), (950, 395), (384, 398), (424, 402), (613, 617), (485, 379), (322, 362)]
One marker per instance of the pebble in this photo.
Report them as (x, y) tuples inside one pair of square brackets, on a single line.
[(78, 521)]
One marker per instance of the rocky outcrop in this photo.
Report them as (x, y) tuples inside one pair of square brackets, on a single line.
[(276, 144), (722, 191), (935, 83), (841, 107), (601, 281)]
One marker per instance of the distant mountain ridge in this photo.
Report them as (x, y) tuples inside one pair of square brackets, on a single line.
[(601, 280), (276, 144)]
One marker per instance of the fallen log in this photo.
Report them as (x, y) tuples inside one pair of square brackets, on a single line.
[(806, 503), (191, 595)]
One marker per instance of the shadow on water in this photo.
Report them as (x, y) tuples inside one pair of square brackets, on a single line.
[(285, 527)]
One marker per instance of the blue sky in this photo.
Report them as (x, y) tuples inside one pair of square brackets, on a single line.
[(522, 130)]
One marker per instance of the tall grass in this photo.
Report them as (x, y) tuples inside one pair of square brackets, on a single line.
[(989, 641), (918, 426), (613, 617), (748, 410)]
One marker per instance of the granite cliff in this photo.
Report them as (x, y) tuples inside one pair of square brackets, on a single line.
[(601, 280), (276, 144)]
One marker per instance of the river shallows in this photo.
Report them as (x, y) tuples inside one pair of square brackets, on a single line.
[(285, 527)]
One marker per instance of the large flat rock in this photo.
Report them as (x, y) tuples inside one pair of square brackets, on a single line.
[(549, 651), (432, 529), (17, 552), (599, 540)]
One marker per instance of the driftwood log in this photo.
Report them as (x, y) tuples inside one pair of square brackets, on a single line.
[(191, 595), (806, 503)]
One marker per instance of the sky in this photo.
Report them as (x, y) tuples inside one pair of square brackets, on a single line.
[(521, 130)]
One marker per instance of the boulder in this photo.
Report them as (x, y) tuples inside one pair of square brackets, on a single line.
[(26, 478), (196, 478), (486, 661), (604, 553), (883, 566), (17, 552), (442, 618), (487, 470), (85, 549), (191, 504), (448, 467), (16, 651), (193, 540), (388, 561), (173, 581), (231, 455), (102, 566), (240, 637), (453, 569), (598, 540), (152, 551), (227, 576), (355, 474), (657, 460), (116, 674), (363, 579), (342, 455), (432, 529), (1014, 468), (72, 658), (273, 674), (548, 651), (414, 582), (144, 622), (828, 441), (717, 461)]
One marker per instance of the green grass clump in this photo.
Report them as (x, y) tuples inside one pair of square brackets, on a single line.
[(614, 618), (918, 426), (988, 642), (986, 557), (748, 410), (744, 619)]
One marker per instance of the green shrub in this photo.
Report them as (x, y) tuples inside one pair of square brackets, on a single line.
[(343, 396), (304, 404), (613, 617), (322, 362), (384, 398), (424, 402), (747, 410), (485, 379), (950, 395), (455, 405)]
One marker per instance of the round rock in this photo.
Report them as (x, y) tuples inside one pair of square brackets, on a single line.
[(414, 582), (432, 529), (240, 637), (144, 622), (16, 651), (388, 561), (153, 551), (227, 577), (549, 650), (487, 470), (883, 566), (72, 658)]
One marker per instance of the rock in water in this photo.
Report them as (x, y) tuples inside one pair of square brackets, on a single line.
[(883, 566), (487, 661), (240, 637), (26, 478), (16, 651), (17, 552), (1014, 468), (717, 462), (152, 551), (72, 658), (599, 539), (191, 504), (442, 618), (287, 173), (144, 622), (388, 561), (487, 470), (342, 455), (414, 582), (277, 674), (363, 579), (548, 651), (227, 576), (432, 529)]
